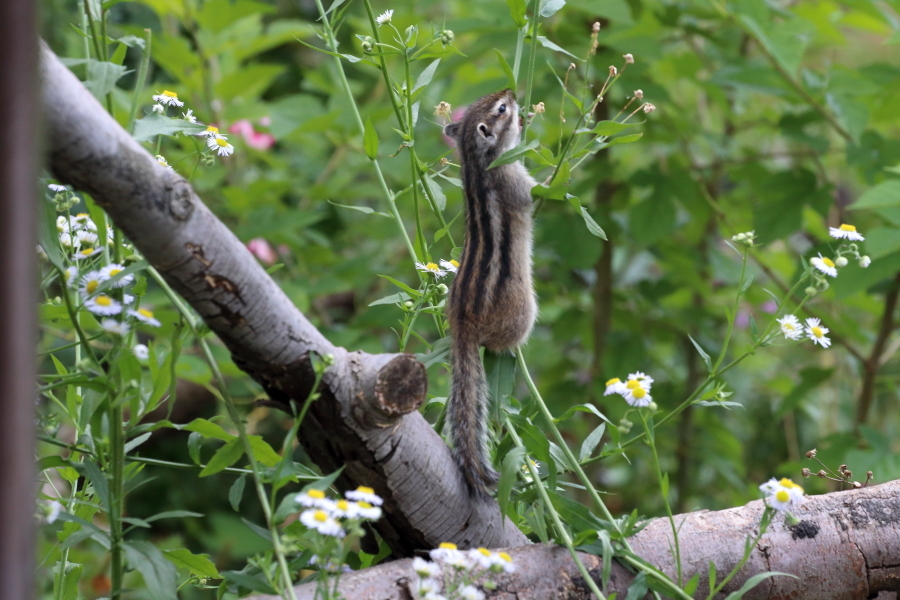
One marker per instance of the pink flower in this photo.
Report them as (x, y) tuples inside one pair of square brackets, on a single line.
[(261, 249), (242, 127), (454, 117), (265, 121), (254, 139)]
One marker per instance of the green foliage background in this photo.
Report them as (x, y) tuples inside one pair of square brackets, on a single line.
[(775, 116)]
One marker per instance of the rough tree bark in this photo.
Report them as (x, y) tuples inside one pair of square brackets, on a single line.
[(367, 418)]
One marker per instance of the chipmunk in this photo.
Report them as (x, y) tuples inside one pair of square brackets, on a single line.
[(491, 302)]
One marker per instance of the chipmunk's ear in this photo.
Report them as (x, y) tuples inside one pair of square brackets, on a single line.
[(452, 130)]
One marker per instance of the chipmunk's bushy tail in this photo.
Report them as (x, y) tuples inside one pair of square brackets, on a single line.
[(467, 414)]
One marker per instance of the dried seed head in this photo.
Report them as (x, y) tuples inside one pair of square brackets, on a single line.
[(648, 108), (595, 28), (613, 71), (811, 453), (805, 472), (629, 59), (639, 94), (538, 108), (822, 474), (857, 485), (443, 109)]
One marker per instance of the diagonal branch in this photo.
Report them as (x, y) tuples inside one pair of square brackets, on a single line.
[(366, 419)]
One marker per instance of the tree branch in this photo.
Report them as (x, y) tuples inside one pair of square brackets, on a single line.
[(366, 419), (847, 547)]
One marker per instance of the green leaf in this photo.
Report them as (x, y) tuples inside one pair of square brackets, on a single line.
[(260, 531), (137, 442), (514, 154), (333, 6), (607, 128), (703, 354), (510, 76), (625, 139), (392, 299), (47, 233), (592, 225), (256, 583), (224, 457), (262, 451), (425, 76), (195, 564), (517, 12), (638, 587), (591, 441), (512, 463), (154, 125), (370, 139), (785, 41), (236, 492), (173, 514), (551, 7), (208, 429), (439, 197), (551, 46), (101, 75), (402, 286), (885, 194), (691, 586), (580, 408), (362, 209), (72, 577), (501, 375), (753, 582), (160, 576)]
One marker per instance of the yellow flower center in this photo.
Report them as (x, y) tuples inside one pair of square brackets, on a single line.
[(103, 300), (92, 286), (817, 331), (221, 142), (432, 267), (639, 393), (317, 494), (782, 496), (364, 504), (114, 272), (447, 546), (828, 262), (612, 381), (67, 275), (87, 251), (365, 490), (81, 216), (212, 129), (149, 314), (505, 557), (320, 516), (484, 551), (343, 505), (788, 326), (785, 482), (169, 94), (633, 384), (454, 263), (845, 227)]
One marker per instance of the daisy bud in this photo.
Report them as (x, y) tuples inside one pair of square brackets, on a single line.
[(653, 407), (865, 261), (811, 291), (368, 44), (629, 59), (447, 37), (625, 426), (442, 289), (595, 28), (639, 94), (840, 261), (408, 304), (613, 71)]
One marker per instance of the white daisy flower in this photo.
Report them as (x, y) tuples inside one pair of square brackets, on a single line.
[(782, 495), (84, 221), (425, 568), (384, 17), (86, 253), (428, 585), (450, 266), (189, 116), (115, 327), (90, 282), (320, 521), (67, 240), (141, 352), (614, 386), (431, 268), (364, 494), (367, 511), (645, 380), (637, 395), (162, 161), (344, 510), (70, 276), (434, 596), (145, 316), (824, 264), (158, 109), (55, 187), (113, 269), (845, 232), (314, 499), (446, 552), (86, 238), (101, 304), (790, 327), (470, 592), (504, 561), (865, 261), (54, 509), (481, 557), (210, 131), (220, 145), (168, 98), (816, 332), (62, 224)]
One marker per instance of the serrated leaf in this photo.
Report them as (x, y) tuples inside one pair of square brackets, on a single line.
[(154, 125), (224, 457), (370, 140), (514, 154)]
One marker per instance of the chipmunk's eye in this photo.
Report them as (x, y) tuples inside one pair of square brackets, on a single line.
[(502, 109)]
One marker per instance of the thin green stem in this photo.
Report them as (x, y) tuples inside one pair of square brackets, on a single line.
[(557, 522), (414, 168), (734, 308), (663, 486), (141, 80), (529, 73), (333, 47), (517, 59), (235, 417)]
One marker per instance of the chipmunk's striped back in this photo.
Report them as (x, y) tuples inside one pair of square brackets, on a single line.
[(491, 301)]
